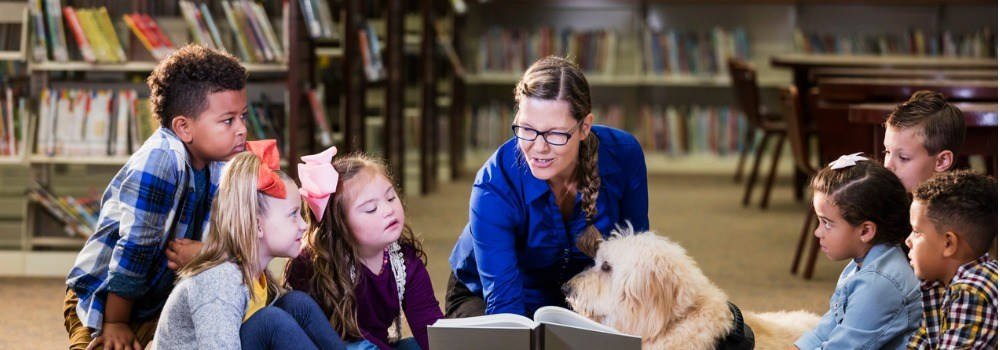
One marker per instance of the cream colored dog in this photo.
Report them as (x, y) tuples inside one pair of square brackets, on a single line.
[(646, 285)]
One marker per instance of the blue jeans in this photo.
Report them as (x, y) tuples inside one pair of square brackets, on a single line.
[(295, 321), (404, 344)]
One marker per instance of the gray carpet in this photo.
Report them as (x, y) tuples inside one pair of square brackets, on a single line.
[(745, 251)]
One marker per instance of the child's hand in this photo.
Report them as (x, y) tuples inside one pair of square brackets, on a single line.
[(181, 251), (116, 336)]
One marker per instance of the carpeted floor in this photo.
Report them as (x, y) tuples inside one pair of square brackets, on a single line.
[(745, 251)]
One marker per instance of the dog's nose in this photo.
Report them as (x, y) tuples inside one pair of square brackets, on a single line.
[(566, 289)]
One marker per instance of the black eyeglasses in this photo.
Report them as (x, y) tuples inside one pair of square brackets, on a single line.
[(555, 138)]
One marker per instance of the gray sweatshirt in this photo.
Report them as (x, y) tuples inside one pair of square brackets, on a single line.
[(204, 311)]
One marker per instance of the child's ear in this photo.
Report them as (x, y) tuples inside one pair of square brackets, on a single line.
[(950, 244), (183, 127), (943, 161), (260, 230), (868, 231)]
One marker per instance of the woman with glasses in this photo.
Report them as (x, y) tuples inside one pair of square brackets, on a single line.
[(558, 179)]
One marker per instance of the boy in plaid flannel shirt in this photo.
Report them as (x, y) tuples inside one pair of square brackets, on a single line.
[(954, 219), (154, 211)]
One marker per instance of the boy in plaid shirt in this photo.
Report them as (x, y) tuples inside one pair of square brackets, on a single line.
[(954, 219), (155, 210)]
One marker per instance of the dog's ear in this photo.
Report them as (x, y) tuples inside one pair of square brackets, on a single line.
[(589, 241)]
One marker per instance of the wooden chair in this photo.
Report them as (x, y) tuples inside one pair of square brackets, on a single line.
[(798, 139), (745, 88)]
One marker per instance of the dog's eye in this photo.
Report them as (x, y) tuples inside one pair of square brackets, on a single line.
[(606, 267)]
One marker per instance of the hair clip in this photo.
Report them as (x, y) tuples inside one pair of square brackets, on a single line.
[(847, 160)]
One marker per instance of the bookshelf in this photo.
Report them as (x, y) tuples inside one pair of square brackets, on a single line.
[(625, 47), (41, 232), (402, 115), (137, 67)]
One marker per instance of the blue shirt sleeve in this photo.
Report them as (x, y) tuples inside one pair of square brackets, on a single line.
[(635, 197), (492, 220), (145, 199)]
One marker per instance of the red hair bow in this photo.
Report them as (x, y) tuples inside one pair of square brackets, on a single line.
[(268, 181)]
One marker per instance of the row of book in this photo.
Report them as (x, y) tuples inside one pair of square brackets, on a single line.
[(13, 123), (606, 51), (79, 122), (319, 19), (371, 53), (513, 50), (673, 130), (266, 120), (10, 36), (679, 130), (489, 125), (249, 30), (981, 43), (691, 52), (78, 215)]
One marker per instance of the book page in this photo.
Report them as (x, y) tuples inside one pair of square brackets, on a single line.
[(564, 317), (488, 321)]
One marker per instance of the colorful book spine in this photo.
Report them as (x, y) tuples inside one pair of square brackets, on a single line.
[(108, 31), (81, 39), (53, 12)]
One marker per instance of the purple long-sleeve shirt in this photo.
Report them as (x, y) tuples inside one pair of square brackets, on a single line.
[(377, 298)]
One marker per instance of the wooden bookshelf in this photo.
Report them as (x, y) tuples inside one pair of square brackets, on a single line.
[(607, 80), (61, 243), (136, 67), (769, 25), (11, 56), (894, 61), (280, 80), (12, 160), (81, 160)]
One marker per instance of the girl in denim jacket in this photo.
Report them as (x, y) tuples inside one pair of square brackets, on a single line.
[(863, 216)]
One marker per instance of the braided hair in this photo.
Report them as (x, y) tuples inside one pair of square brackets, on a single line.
[(559, 79)]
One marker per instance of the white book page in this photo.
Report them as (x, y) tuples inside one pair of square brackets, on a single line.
[(510, 321), (564, 317)]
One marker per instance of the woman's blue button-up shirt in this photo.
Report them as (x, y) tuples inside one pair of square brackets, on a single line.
[(516, 249)]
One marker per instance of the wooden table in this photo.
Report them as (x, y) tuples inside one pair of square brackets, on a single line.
[(980, 123), (892, 90), (802, 64)]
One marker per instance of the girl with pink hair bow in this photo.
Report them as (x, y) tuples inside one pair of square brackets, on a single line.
[(361, 262)]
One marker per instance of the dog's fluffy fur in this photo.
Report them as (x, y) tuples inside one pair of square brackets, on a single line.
[(646, 285)]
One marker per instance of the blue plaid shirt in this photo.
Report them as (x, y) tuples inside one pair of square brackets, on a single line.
[(140, 211)]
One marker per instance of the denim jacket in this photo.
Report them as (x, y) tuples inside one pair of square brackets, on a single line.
[(876, 305)]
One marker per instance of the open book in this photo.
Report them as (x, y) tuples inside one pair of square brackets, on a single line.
[(553, 328)]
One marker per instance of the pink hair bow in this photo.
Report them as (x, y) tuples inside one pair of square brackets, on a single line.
[(319, 180)]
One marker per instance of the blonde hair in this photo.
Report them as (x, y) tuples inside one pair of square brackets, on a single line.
[(232, 236), (334, 250)]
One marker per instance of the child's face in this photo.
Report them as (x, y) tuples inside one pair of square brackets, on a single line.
[(906, 156), (374, 212), (220, 132), (282, 225), (926, 244), (838, 239)]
